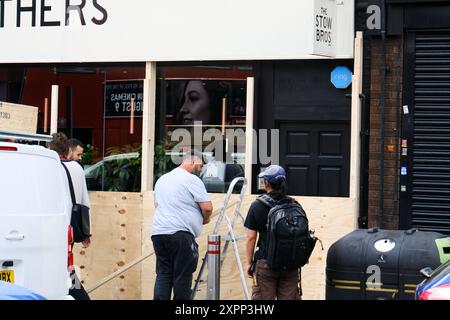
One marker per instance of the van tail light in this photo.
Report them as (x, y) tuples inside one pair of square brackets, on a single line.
[(70, 235), (4, 148), (70, 253), (70, 261)]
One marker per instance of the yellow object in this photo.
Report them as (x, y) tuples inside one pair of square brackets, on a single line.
[(7, 276)]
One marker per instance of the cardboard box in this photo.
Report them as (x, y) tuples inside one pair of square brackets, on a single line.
[(18, 118)]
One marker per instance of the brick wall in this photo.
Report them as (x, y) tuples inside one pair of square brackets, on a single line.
[(393, 94)]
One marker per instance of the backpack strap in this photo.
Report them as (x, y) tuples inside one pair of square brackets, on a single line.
[(72, 192), (271, 202), (267, 200)]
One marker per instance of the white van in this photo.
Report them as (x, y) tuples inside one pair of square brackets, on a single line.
[(34, 220)]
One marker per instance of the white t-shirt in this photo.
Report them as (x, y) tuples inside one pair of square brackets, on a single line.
[(79, 184), (176, 197)]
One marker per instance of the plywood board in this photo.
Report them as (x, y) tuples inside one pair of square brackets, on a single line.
[(116, 240), (148, 267), (18, 118), (332, 218)]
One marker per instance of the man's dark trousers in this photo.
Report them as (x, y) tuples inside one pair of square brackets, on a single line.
[(176, 261)]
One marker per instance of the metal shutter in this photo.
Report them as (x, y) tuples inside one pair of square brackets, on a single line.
[(430, 198)]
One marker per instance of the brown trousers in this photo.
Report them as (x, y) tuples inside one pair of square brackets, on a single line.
[(270, 284)]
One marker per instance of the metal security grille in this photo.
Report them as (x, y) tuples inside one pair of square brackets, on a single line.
[(430, 196)]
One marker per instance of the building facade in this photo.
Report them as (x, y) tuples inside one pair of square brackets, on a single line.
[(112, 63), (406, 79)]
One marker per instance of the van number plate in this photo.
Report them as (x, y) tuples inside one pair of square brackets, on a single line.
[(7, 276)]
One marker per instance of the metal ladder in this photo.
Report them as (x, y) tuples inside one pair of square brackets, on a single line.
[(230, 237)]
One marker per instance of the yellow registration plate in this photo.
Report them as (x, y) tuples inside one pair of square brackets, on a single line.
[(7, 276)]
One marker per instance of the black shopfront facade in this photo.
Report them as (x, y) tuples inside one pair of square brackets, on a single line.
[(412, 98)]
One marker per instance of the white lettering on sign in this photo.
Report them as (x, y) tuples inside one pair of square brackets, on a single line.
[(374, 20), (125, 106), (324, 27), (125, 96), (121, 96)]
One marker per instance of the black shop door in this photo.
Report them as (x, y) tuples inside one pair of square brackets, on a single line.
[(313, 119), (315, 156)]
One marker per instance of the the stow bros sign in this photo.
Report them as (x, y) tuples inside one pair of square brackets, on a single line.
[(119, 96), (325, 29)]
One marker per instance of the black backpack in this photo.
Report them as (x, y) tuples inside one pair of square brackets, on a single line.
[(289, 241)]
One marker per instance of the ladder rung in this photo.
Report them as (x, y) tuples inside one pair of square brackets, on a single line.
[(228, 238)]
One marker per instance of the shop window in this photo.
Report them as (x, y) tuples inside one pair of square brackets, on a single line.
[(119, 167), (94, 107), (204, 108)]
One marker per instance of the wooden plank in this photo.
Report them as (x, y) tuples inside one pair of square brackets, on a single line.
[(249, 139), (355, 146), (148, 267), (54, 109), (332, 218), (18, 118), (148, 127), (116, 240)]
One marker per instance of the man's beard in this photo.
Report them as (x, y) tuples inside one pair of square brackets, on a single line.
[(196, 171)]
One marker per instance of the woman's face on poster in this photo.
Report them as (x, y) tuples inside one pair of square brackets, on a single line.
[(196, 106)]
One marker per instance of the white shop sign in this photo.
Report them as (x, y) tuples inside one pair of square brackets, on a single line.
[(325, 28), (167, 30)]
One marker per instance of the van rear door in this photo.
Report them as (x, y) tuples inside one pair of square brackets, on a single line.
[(33, 220)]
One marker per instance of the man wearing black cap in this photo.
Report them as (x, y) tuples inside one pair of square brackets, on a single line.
[(268, 284)]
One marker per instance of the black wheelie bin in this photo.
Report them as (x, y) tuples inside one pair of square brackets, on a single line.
[(372, 264)]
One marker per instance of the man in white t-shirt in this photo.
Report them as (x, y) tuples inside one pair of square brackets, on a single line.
[(182, 208), (60, 144)]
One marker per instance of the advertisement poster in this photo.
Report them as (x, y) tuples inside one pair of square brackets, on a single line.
[(119, 96), (213, 102)]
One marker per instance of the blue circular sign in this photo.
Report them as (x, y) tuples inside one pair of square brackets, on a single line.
[(341, 77)]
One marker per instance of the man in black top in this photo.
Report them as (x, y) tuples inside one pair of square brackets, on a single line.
[(268, 284)]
